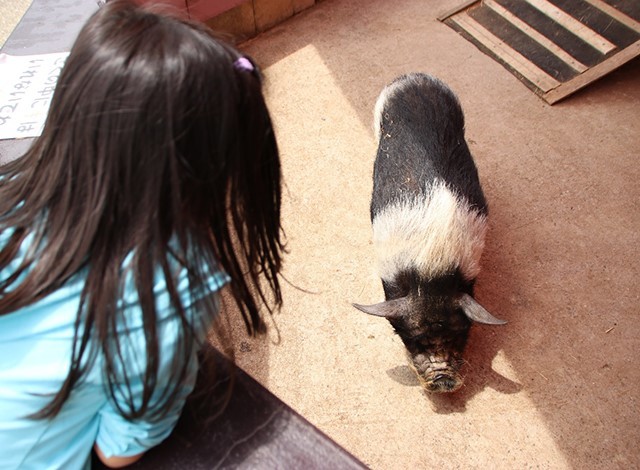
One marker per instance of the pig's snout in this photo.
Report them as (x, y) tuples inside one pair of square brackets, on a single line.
[(444, 383), (437, 374)]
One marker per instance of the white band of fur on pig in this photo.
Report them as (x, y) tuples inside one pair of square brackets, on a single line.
[(435, 236)]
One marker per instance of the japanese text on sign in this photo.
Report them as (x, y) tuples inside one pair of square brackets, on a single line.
[(26, 87)]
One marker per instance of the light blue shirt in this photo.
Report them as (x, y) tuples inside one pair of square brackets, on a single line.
[(35, 351)]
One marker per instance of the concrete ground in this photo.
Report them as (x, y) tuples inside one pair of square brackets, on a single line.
[(557, 387)]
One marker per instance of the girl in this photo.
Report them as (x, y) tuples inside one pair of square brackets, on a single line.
[(156, 181)]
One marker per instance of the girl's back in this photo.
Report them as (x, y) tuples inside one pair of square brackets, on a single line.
[(35, 347), (116, 234)]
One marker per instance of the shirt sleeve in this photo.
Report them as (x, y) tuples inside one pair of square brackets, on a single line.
[(118, 436)]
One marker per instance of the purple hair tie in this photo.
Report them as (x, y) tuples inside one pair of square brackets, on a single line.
[(244, 64)]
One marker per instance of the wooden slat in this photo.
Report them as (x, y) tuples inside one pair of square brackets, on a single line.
[(536, 36), (546, 86), (593, 73), (576, 27), (452, 11), (615, 14), (513, 58)]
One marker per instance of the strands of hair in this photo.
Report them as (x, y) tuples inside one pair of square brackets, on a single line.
[(159, 151)]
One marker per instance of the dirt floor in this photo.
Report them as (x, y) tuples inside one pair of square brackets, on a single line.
[(557, 387)]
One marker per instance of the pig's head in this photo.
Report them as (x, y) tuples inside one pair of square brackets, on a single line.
[(434, 329)]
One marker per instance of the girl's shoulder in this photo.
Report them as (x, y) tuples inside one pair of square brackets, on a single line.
[(51, 316)]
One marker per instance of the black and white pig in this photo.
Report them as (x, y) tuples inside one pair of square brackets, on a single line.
[(429, 218)]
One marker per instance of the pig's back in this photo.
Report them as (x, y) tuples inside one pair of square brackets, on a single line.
[(420, 128)]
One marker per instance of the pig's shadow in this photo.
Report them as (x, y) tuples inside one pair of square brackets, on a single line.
[(404, 376), (478, 375)]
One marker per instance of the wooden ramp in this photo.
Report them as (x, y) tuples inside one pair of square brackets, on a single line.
[(555, 47)]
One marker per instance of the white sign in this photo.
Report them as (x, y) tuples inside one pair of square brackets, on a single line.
[(26, 88)]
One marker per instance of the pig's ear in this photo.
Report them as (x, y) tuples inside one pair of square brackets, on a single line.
[(389, 309), (476, 312)]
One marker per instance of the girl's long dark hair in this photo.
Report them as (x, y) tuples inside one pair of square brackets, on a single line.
[(158, 149)]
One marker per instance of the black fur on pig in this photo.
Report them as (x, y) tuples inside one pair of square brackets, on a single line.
[(429, 218)]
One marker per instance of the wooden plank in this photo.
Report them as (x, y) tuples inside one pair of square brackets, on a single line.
[(514, 59), (546, 26), (607, 55), (576, 27), (452, 11), (598, 71), (615, 14), (523, 44), (536, 36)]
